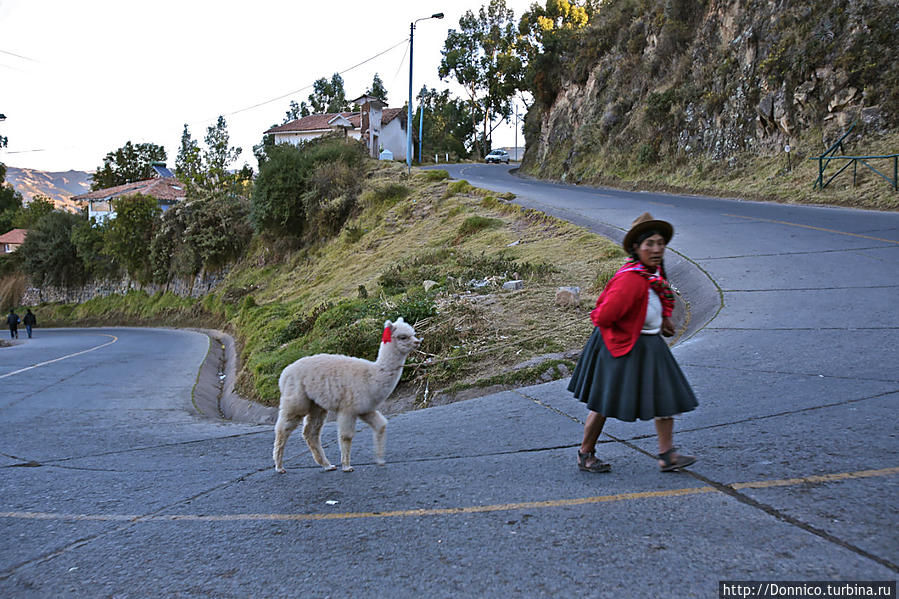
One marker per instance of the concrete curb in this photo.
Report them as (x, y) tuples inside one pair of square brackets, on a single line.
[(214, 395), (699, 300)]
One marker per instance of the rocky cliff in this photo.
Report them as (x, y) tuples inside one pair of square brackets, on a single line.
[(663, 80)]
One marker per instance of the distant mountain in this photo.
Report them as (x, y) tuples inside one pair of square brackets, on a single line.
[(59, 187)]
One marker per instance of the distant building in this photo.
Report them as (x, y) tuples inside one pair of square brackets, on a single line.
[(377, 127), (11, 240), (168, 191)]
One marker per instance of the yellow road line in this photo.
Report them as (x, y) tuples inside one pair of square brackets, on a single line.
[(476, 509), (783, 222), (21, 370)]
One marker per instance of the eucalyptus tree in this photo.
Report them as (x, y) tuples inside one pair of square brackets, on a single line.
[(482, 57), (130, 163)]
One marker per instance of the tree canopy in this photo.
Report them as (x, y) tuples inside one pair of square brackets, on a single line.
[(328, 96), (482, 57), (448, 126), (48, 254), (129, 234), (207, 169), (377, 89), (10, 201), (128, 164)]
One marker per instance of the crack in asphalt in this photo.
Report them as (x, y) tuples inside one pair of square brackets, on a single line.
[(810, 253), (56, 461), (847, 288), (802, 329), (789, 373), (42, 389), (131, 523), (743, 497)]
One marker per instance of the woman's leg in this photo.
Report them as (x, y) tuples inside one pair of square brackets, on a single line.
[(592, 430), (665, 431), (673, 461)]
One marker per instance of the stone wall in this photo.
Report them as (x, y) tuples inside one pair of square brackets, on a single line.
[(196, 287)]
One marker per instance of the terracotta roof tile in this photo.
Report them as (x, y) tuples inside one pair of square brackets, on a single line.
[(319, 122), (161, 189), (14, 236)]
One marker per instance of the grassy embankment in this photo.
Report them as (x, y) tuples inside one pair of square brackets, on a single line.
[(750, 176), (282, 304)]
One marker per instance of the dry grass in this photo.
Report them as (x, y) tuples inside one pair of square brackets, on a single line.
[(758, 177), (12, 288), (478, 334)]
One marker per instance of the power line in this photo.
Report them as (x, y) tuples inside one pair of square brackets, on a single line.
[(304, 88), (17, 55)]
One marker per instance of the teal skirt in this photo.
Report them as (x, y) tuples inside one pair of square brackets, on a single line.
[(643, 384)]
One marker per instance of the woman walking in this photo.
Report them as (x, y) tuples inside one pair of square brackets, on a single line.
[(626, 370)]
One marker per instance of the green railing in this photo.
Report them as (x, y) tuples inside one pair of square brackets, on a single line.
[(853, 161)]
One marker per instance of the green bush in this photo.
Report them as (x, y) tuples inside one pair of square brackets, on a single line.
[(435, 175), (390, 193), (647, 154), (48, 255), (475, 224), (458, 187), (296, 181)]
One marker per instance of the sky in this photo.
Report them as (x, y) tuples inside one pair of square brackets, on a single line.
[(78, 79)]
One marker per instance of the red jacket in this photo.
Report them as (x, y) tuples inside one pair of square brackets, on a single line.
[(621, 311)]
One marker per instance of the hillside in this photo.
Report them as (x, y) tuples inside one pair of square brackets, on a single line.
[(433, 251), (705, 95), (58, 186)]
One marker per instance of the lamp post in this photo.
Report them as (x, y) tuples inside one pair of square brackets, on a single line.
[(438, 15)]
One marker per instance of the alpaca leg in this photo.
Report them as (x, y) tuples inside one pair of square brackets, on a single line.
[(346, 428), (285, 425), (312, 433), (378, 425)]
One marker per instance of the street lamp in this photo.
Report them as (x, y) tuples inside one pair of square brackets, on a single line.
[(438, 15)]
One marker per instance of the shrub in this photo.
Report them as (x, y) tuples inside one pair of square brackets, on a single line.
[(390, 193), (475, 224), (458, 187), (435, 175), (647, 154), (294, 183), (49, 256), (131, 232)]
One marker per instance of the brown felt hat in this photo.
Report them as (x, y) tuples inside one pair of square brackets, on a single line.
[(645, 222)]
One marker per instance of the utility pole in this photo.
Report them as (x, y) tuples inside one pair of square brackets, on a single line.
[(437, 15), (516, 131)]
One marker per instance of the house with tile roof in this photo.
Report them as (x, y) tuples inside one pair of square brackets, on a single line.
[(375, 126), (11, 240), (167, 190)]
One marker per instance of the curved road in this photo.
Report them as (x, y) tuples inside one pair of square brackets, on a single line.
[(111, 486)]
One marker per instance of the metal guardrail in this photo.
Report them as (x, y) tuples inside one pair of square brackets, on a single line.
[(825, 158)]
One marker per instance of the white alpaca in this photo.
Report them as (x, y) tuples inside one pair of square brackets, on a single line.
[(353, 387)]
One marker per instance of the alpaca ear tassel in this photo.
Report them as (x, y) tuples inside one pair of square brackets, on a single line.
[(385, 337)]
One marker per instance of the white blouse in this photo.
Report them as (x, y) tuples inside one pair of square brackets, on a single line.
[(653, 323)]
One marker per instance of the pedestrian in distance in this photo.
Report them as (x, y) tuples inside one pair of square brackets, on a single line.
[(12, 320), (626, 370), (30, 321)]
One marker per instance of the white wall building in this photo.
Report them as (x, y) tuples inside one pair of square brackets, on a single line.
[(375, 126)]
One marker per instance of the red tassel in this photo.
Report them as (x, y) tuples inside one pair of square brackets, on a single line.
[(385, 338)]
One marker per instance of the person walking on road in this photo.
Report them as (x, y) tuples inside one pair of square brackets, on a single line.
[(626, 370), (30, 321), (12, 319)]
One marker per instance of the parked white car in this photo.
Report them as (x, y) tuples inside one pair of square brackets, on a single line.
[(497, 156)]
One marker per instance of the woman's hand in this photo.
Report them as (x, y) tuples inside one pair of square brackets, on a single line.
[(668, 329)]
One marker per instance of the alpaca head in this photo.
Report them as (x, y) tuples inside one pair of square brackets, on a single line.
[(401, 335)]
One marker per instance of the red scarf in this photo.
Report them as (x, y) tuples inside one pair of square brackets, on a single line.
[(657, 282)]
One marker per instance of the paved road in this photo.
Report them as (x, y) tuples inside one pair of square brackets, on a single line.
[(111, 486)]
